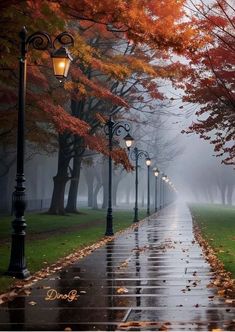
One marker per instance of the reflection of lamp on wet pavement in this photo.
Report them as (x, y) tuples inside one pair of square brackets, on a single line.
[(137, 267), (156, 173), (110, 280)]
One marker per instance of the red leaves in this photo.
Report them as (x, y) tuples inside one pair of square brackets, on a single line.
[(209, 80), (62, 120)]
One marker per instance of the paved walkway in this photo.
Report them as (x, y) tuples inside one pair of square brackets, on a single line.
[(154, 278)]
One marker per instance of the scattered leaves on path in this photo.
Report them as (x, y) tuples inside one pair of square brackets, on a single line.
[(60, 264)]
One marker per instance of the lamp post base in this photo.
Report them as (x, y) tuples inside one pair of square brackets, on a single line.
[(109, 223), (17, 267), (19, 274)]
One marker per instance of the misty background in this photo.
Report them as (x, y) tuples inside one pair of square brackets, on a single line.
[(187, 160)]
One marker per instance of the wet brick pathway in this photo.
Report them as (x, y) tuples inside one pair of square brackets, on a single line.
[(154, 278)]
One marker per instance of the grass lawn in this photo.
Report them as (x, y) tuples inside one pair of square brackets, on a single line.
[(52, 237), (217, 223)]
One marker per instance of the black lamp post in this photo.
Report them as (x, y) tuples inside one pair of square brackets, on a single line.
[(39, 41), (114, 128), (135, 155), (148, 163), (156, 173)]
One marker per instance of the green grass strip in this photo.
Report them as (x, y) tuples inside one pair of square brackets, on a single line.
[(217, 224), (55, 243)]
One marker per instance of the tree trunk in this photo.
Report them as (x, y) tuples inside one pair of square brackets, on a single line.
[(142, 199), (57, 201), (105, 184), (96, 191), (5, 202), (116, 180), (222, 192), (89, 175), (128, 193), (90, 192), (73, 189), (61, 178), (230, 194), (210, 195), (115, 187)]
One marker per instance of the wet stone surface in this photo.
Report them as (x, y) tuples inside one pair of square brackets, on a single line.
[(152, 278)]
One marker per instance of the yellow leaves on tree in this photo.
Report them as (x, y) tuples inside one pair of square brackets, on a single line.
[(93, 89)]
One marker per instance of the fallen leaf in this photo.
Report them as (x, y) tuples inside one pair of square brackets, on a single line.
[(122, 290), (221, 292), (26, 292), (230, 301), (32, 303)]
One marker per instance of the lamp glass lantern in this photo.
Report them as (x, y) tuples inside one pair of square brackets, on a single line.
[(128, 140), (148, 161), (164, 178), (61, 60), (156, 172)]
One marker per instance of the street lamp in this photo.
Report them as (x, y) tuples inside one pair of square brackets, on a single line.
[(129, 141), (156, 173), (39, 41), (148, 163), (114, 128), (135, 155)]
